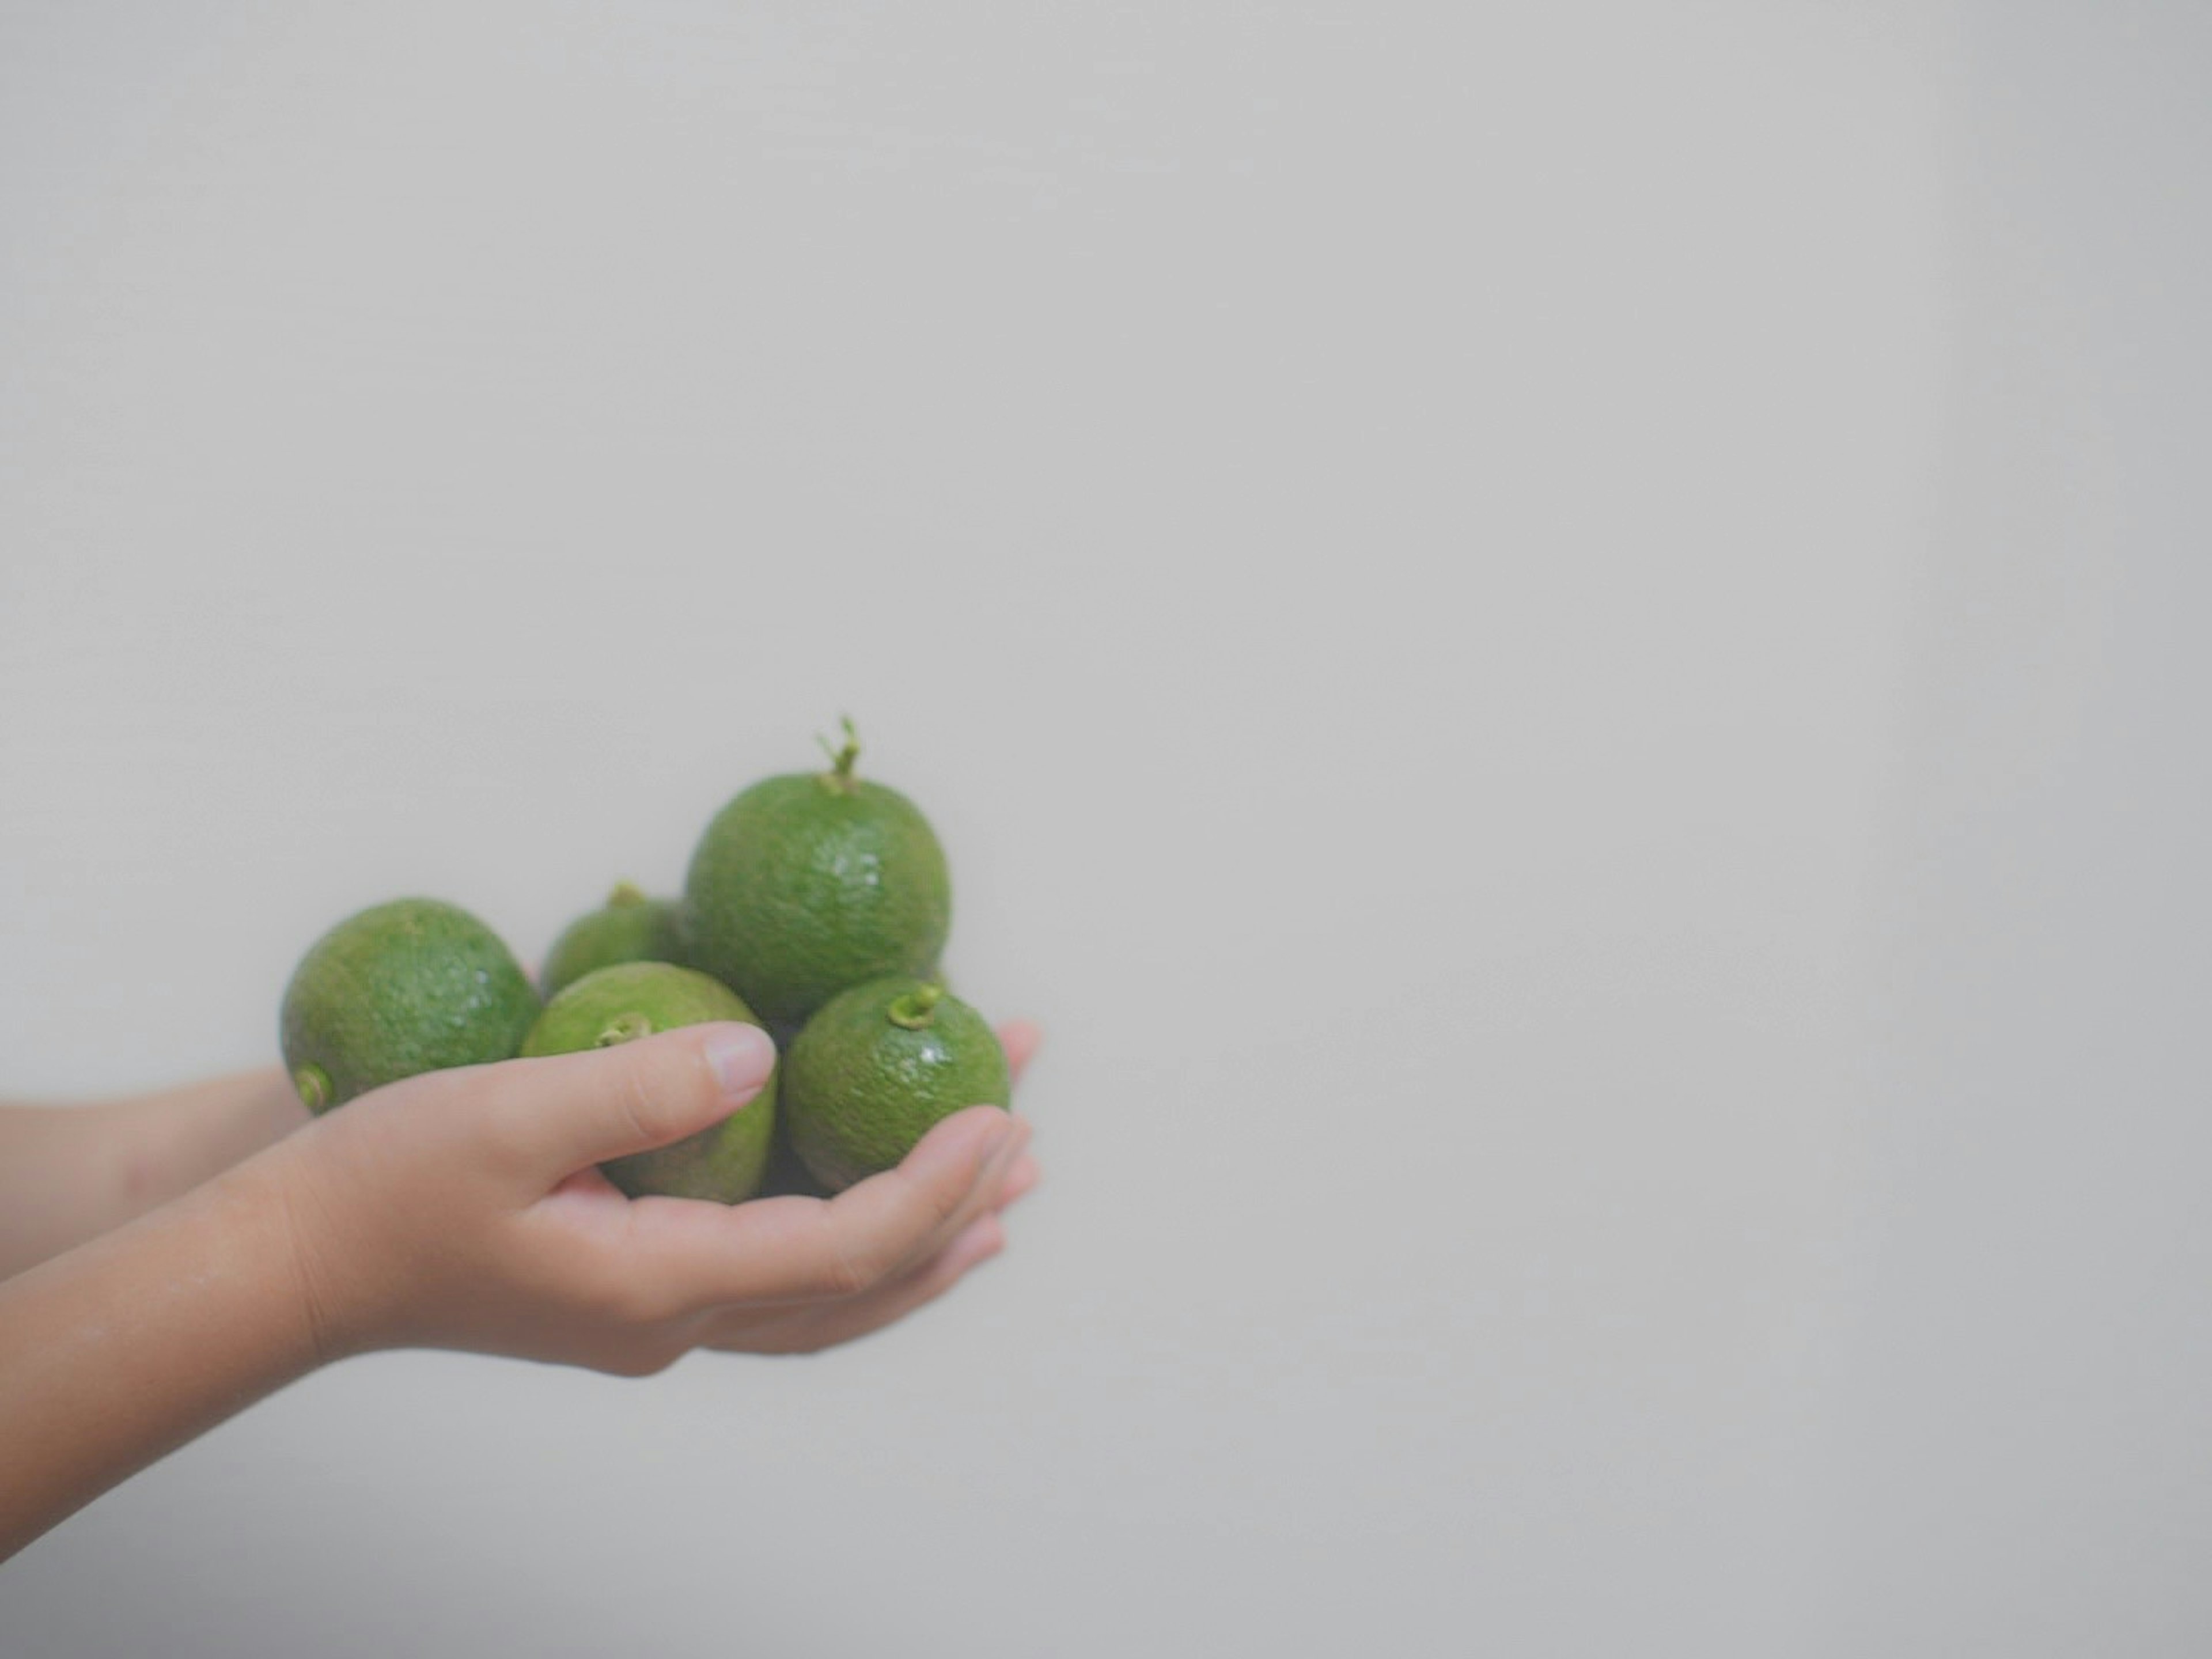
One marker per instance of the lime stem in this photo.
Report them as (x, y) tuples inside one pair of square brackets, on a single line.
[(841, 759), (626, 894), (918, 1007)]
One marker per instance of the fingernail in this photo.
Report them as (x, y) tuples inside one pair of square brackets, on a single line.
[(742, 1056)]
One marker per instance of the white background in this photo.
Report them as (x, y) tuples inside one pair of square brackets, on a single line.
[(1556, 644)]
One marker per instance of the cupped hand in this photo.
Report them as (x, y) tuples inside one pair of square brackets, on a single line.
[(465, 1209)]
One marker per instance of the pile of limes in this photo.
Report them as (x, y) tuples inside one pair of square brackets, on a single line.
[(817, 905)]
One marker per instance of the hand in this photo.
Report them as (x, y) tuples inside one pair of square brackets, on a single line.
[(462, 1209)]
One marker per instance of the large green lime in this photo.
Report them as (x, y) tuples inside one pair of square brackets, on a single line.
[(628, 927), (877, 1066), (805, 883), (413, 985), (632, 1000)]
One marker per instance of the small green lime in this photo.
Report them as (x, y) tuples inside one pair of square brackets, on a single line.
[(628, 927), (877, 1066), (627, 1001), (413, 985), (808, 882)]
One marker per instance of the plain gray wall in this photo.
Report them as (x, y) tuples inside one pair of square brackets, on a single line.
[(1557, 644), (2022, 1457)]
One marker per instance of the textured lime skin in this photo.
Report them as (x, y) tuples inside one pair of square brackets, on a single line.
[(809, 883), (628, 927), (631, 999), (859, 1089), (416, 985)]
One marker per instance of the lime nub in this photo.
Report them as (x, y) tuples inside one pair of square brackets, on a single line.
[(624, 1028), (314, 1084)]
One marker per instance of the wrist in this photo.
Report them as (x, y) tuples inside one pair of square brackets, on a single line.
[(343, 1279), (250, 1209), (298, 1233)]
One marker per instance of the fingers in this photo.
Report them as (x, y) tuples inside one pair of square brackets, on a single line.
[(1019, 1038), (807, 1327), (893, 1222), (1024, 1175), (796, 1249), (568, 1111), (823, 1324)]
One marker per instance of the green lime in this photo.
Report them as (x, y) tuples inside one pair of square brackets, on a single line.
[(631, 999), (877, 1066), (786, 1175), (628, 927), (805, 883), (416, 985)]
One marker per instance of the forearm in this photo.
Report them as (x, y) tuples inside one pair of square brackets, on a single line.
[(71, 1173), (117, 1352)]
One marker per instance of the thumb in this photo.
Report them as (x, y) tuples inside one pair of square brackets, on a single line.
[(600, 1103)]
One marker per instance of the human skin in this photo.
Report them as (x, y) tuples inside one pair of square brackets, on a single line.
[(460, 1209), (70, 1173)]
